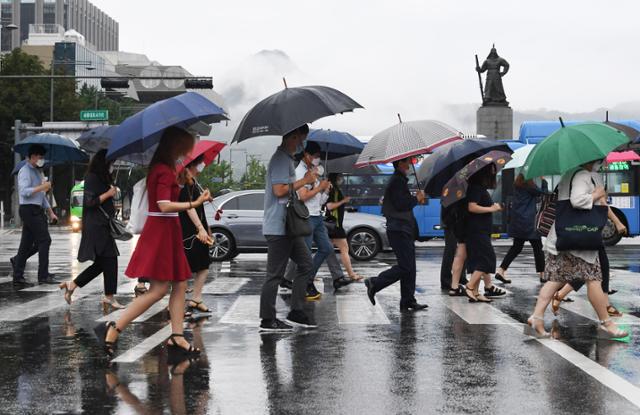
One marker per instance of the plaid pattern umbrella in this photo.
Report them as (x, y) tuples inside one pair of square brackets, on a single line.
[(456, 188), (406, 139)]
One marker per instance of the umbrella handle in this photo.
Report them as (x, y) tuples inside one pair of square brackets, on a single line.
[(416, 175)]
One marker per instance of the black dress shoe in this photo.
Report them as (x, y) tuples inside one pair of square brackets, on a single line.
[(341, 282), (371, 291), (413, 307), (49, 280), (286, 284), (21, 283), (13, 264)]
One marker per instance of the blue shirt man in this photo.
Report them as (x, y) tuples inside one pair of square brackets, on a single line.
[(32, 189)]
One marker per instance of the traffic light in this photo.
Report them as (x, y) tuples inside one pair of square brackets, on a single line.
[(198, 83), (114, 83)]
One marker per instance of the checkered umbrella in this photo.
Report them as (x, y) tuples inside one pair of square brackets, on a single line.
[(406, 139)]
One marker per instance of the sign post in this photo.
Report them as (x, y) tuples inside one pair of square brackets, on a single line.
[(94, 115)]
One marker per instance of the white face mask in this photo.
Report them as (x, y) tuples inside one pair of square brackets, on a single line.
[(111, 168), (315, 161), (200, 167), (596, 166), (179, 161), (40, 163)]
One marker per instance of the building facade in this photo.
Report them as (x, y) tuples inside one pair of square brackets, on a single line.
[(99, 30)]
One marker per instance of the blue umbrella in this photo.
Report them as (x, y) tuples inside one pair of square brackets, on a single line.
[(139, 133), (59, 149), (336, 144), (21, 164), (97, 138)]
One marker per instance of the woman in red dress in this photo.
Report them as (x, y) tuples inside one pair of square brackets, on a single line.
[(159, 255)]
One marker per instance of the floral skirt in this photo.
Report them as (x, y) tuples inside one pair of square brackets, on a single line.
[(565, 267)]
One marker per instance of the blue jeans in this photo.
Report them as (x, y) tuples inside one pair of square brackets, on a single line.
[(320, 237)]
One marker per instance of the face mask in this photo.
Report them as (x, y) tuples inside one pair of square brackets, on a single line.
[(111, 168), (200, 167), (179, 161), (40, 163), (315, 162), (300, 147), (596, 166), (340, 182)]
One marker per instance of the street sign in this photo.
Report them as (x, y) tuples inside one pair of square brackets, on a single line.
[(94, 115)]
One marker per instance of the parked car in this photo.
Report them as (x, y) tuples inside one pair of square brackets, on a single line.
[(239, 227)]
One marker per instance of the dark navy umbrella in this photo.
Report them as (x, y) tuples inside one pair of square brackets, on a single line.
[(291, 108), (335, 144), (98, 138), (445, 161), (59, 149), (140, 133)]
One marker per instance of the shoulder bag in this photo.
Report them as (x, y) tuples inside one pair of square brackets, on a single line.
[(117, 229), (297, 220)]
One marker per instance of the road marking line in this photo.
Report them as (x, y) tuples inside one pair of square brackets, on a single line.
[(245, 310), (5, 279), (42, 288), (477, 313), (225, 285), (152, 311), (598, 372), (354, 309), (583, 308), (145, 346)]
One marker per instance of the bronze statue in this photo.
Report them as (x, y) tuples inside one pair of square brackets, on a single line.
[(495, 67)]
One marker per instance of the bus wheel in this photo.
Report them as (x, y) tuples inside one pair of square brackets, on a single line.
[(610, 236)]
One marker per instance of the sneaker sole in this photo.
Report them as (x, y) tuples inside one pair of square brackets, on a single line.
[(296, 324), (313, 297), (264, 330)]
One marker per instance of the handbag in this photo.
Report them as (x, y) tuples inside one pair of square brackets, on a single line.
[(330, 223), (579, 229), (546, 215), (297, 219), (139, 207), (117, 229)]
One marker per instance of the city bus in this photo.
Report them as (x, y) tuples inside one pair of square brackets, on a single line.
[(76, 202)]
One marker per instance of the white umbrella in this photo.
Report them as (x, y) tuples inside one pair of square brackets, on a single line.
[(406, 139), (519, 157)]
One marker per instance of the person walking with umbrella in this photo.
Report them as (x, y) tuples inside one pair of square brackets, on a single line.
[(159, 254), (522, 226), (32, 190), (96, 243), (397, 207)]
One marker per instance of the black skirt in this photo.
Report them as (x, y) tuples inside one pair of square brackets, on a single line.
[(197, 254), (480, 254)]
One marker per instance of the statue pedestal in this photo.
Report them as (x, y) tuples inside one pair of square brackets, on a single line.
[(495, 123)]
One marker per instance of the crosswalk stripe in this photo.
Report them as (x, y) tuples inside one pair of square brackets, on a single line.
[(145, 346), (583, 308), (152, 311), (601, 374), (355, 309), (244, 311), (225, 285)]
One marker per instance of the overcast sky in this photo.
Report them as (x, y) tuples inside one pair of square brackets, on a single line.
[(412, 57)]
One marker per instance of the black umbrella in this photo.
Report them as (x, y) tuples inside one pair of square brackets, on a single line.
[(346, 165), (444, 163), (291, 108)]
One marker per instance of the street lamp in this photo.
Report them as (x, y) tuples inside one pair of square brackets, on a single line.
[(10, 28), (89, 67)]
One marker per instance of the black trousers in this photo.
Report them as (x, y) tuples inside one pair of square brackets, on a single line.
[(604, 265), (404, 248), (516, 248), (35, 235), (102, 265), (450, 247)]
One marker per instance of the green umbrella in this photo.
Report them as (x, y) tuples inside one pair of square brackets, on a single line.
[(570, 147)]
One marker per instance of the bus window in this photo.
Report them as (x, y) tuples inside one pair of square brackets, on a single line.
[(77, 199), (619, 182)]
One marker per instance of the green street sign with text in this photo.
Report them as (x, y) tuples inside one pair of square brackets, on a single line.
[(94, 115)]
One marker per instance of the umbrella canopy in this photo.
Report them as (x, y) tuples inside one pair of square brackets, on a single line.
[(291, 108), (632, 133), (456, 188), (406, 139), (335, 144), (444, 163), (621, 156), (97, 138), (209, 149), (519, 156), (21, 164), (346, 165), (140, 133), (572, 146), (59, 149)]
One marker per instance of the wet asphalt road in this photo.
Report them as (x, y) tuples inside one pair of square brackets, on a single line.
[(455, 357)]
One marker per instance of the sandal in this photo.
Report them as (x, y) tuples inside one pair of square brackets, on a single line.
[(199, 307), (356, 277), (67, 291), (174, 346), (101, 330), (605, 333), (529, 330), (613, 312), (471, 295), (457, 292), (483, 299), (502, 278), (140, 290), (494, 291), (555, 304)]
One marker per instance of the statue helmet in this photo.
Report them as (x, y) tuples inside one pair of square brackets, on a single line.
[(494, 53)]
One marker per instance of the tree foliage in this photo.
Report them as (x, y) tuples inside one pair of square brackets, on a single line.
[(254, 176)]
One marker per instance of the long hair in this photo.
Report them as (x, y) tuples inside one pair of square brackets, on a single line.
[(175, 142), (521, 183), (485, 177), (100, 167)]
